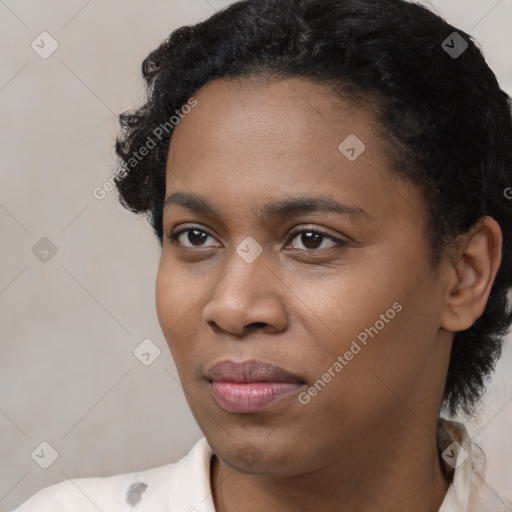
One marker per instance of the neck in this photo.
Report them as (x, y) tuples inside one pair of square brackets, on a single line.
[(403, 475)]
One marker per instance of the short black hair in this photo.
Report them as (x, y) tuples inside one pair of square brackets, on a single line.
[(446, 119)]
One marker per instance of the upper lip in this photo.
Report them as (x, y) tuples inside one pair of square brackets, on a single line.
[(249, 371)]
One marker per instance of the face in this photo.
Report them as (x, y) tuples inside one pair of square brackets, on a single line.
[(343, 299)]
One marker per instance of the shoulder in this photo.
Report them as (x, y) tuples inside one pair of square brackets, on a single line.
[(484, 498), (468, 490), (152, 490), (117, 492)]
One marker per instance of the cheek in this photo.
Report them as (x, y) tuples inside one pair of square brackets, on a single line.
[(344, 302), (178, 300), (369, 314), (170, 312), (171, 300), (163, 300), (385, 342)]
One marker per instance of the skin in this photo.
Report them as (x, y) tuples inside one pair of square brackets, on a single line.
[(367, 440)]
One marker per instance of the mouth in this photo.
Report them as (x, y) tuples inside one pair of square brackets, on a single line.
[(250, 386)]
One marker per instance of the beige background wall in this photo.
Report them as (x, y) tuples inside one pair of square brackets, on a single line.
[(69, 326)]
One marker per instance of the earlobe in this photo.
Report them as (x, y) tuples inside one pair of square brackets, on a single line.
[(472, 275)]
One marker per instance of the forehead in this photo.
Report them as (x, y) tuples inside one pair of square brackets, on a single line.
[(253, 138), (273, 103), (257, 123)]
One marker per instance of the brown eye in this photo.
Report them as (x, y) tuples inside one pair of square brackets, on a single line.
[(195, 237), (312, 239)]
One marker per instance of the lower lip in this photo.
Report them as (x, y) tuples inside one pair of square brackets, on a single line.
[(251, 396)]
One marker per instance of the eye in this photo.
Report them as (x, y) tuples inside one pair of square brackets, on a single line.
[(311, 238), (195, 236)]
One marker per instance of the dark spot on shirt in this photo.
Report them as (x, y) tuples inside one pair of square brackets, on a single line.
[(134, 492)]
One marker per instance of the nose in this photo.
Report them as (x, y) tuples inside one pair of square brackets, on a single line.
[(249, 296)]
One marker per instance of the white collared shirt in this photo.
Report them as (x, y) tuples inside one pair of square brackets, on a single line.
[(184, 486)]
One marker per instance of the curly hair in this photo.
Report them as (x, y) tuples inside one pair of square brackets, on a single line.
[(447, 122)]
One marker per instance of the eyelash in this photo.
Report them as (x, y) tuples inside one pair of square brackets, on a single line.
[(340, 243)]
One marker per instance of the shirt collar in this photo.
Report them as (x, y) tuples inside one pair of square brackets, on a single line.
[(456, 456)]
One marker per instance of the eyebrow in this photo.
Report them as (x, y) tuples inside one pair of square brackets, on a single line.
[(281, 209)]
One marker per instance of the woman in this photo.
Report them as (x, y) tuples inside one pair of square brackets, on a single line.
[(328, 181)]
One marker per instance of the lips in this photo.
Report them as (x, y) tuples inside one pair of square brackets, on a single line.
[(250, 371), (250, 386)]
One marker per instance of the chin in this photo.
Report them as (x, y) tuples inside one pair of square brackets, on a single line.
[(259, 458)]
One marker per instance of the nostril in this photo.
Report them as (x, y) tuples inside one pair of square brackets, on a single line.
[(259, 324)]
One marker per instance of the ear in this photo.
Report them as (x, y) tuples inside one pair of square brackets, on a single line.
[(471, 274)]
